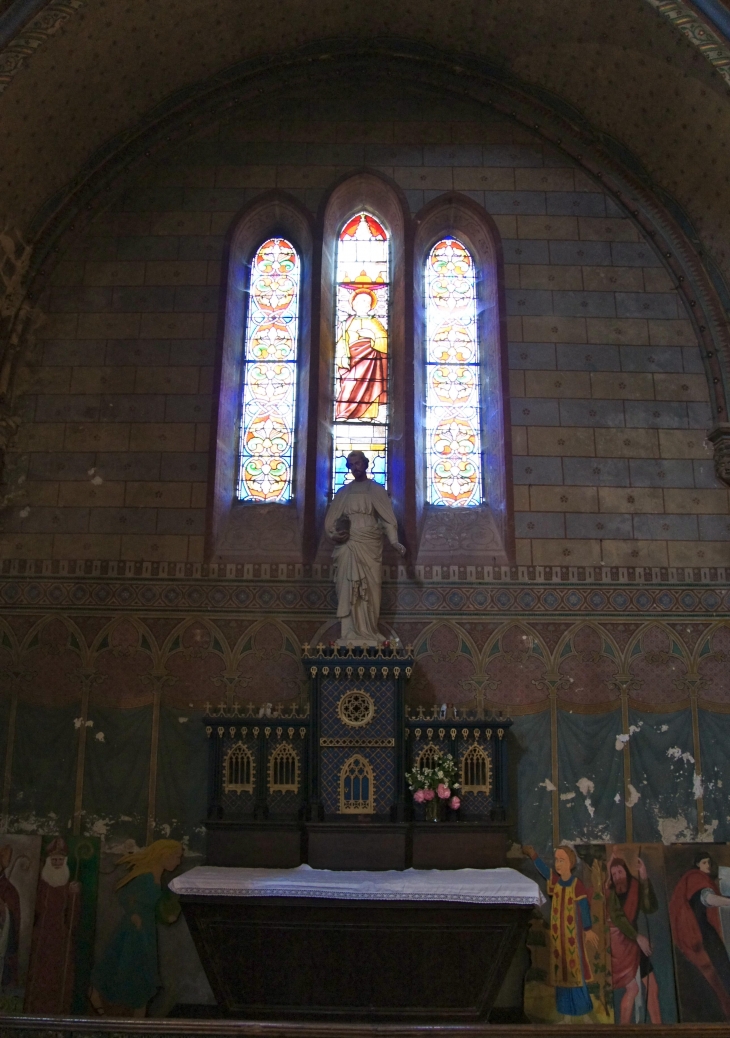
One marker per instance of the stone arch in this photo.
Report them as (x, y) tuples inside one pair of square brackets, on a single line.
[(266, 663), (515, 664), (713, 665), (197, 656), (53, 657), (588, 664), (126, 656), (657, 666), (445, 666)]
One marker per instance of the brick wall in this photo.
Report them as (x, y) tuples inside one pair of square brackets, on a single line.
[(609, 395)]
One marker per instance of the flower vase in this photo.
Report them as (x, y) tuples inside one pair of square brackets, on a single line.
[(433, 812)]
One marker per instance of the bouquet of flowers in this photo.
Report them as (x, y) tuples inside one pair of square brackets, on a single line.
[(434, 785)]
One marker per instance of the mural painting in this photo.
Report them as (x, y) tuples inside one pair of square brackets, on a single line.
[(636, 912), (569, 979), (698, 877), (126, 973), (19, 865), (63, 927)]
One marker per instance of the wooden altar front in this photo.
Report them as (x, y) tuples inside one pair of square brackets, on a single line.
[(410, 961)]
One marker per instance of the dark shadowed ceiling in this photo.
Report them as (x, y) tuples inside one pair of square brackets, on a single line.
[(97, 69)]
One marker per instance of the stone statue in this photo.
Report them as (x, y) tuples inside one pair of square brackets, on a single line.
[(358, 516)]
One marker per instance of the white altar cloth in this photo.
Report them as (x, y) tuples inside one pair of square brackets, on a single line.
[(478, 886)]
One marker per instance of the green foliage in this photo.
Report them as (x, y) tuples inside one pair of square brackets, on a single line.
[(444, 771)]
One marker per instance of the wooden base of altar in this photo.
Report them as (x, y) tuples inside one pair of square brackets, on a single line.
[(351, 845), (319, 959)]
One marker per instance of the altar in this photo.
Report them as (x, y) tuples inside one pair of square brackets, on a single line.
[(312, 944)]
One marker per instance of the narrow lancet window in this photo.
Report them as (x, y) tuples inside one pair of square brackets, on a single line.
[(453, 436), (270, 375), (361, 348)]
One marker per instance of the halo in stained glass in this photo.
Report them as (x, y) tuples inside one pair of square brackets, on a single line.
[(270, 375), (453, 435), (361, 348)]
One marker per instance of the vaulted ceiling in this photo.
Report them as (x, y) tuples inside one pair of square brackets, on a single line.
[(81, 77)]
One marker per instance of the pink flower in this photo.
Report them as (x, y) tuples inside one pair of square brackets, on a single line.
[(418, 796), (428, 794), (454, 803), (443, 791)]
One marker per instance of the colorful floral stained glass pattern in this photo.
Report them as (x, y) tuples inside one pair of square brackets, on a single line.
[(270, 375), (453, 439), (360, 420)]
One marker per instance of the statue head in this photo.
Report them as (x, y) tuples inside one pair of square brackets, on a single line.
[(357, 463)]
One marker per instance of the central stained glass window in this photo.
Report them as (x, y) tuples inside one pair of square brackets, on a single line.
[(270, 375), (453, 436), (361, 348)]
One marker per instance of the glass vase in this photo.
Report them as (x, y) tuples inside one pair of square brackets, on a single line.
[(433, 810)]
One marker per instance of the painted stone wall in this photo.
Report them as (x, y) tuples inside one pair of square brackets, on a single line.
[(620, 695), (608, 392)]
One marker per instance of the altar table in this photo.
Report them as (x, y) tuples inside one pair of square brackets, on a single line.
[(412, 945)]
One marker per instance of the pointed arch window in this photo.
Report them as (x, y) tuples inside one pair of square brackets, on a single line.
[(360, 419), (270, 375), (453, 421)]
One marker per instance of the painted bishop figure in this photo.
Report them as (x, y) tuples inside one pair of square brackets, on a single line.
[(358, 516)]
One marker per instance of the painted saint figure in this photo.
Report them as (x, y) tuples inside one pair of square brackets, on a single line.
[(51, 974), (697, 930), (570, 930), (127, 974), (358, 516), (361, 358), (9, 923), (626, 897)]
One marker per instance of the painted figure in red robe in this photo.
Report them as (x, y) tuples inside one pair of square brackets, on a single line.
[(52, 951), (362, 362), (696, 927), (626, 897)]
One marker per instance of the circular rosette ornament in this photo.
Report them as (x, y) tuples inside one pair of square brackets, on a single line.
[(454, 437), (276, 256), (272, 341), (270, 383), (453, 343), (267, 435), (453, 384), (454, 472), (265, 479), (273, 294), (455, 481)]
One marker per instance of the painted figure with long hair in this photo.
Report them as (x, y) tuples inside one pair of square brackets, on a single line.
[(696, 927), (127, 975), (570, 931), (626, 896)]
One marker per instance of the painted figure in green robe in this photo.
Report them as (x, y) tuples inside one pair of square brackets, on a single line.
[(126, 976)]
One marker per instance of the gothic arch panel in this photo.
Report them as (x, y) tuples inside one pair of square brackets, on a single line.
[(240, 530), (482, 535)]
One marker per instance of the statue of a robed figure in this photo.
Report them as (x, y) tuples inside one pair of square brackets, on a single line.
[(358, 516)]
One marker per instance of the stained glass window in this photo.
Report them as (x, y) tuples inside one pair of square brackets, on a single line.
[(269, 384), (453, 439), (361, 348)]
